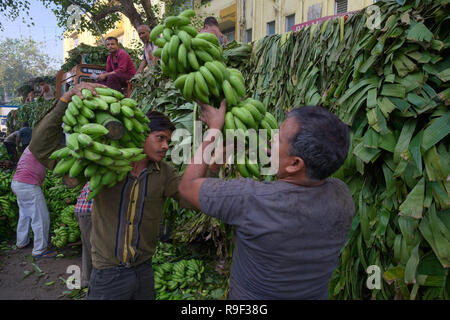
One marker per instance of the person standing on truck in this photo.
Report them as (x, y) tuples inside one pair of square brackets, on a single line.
[(148, 59), (119, 67), (46, 91), (30, 97)]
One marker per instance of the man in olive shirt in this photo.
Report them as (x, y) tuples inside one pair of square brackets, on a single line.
[(125, 217), (288, 233)]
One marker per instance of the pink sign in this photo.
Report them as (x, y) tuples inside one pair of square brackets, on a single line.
[(300, 26)]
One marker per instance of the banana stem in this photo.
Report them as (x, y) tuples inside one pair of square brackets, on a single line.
[(194, 128)]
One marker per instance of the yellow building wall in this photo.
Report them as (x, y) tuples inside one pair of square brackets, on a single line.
[(259, 12), (242, 14), (123, 30)]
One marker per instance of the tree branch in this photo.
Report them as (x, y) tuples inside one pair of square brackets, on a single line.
[(105, 12), (151, 19), (131, 13)]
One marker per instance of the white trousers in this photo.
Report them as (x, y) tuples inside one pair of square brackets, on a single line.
[(32, 210)]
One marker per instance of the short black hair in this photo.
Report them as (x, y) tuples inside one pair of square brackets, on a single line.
[(210, 21), (322, 141), (26, 124), (159, 121), (112, 38)]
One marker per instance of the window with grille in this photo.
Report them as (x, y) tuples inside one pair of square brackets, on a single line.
[(340, 6), (230, 34), (248, 35), (290, 21), (270, 28)]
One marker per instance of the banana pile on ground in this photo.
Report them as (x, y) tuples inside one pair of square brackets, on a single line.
[(9, 211), (106, 134), (68, 231), (195, 62), (174, 280)]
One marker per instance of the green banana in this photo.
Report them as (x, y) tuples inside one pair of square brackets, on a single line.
[(200, 81), (156, 31), (94, 129), (208, 76), (182, 56), (208, 37), (192, 58)]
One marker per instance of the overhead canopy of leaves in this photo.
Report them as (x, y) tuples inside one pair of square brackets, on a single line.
[(11, 9), (105, 13)]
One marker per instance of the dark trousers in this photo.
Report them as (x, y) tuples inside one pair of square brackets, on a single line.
[(116, 81), (12, 150), (84, 221), (121, 283)]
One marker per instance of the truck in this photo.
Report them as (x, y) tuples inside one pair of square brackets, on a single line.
[(4, 110), (80, 73)]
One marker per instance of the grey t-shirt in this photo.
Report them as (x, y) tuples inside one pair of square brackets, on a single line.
[(287, 237)]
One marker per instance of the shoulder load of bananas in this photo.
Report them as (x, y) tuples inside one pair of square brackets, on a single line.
[(106, 134), (195, 62)]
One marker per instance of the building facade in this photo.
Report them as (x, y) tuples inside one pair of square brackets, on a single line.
[(240, 20)]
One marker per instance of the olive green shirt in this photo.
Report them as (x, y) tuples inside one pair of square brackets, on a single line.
[(125, 217)]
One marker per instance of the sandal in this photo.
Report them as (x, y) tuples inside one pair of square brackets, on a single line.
[(46, 254)]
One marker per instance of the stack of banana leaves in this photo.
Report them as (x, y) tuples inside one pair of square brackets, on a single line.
[(30, 112), (386, 74)]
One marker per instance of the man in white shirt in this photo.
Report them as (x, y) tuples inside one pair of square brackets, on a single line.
[(148, 58)]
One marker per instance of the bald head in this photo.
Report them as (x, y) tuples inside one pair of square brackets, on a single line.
[(144, 33)]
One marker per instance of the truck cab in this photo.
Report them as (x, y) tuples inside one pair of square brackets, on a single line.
[(79, 73)]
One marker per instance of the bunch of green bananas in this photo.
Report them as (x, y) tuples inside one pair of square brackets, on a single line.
[(68, 231), (172, 281), (195, 62), (9, 211), (107, 133), (61, 237), (250, 114)]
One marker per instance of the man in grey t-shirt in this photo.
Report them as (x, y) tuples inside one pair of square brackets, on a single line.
[(288, 233)]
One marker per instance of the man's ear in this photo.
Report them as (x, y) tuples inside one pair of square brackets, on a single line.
[(296, 165)]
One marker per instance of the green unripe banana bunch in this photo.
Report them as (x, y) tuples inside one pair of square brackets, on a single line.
[(250, 114), (106, 135), (194, 61)]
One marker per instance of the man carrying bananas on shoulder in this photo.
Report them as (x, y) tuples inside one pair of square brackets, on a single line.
[(125, 217), (288, 233)]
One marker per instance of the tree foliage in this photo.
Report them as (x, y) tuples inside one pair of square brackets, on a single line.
[(11, 9), (22, 60)]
